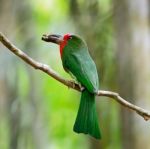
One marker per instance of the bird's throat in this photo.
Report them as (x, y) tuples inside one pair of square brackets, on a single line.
[(62, 45)]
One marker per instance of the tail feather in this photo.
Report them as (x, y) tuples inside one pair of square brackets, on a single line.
[(87, 121)]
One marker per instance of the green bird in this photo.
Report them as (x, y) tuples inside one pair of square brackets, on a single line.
[(77, 61)]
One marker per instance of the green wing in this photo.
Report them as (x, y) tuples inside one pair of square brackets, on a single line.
[(81, 65)]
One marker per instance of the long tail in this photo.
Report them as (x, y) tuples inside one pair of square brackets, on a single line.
[(87, 121)]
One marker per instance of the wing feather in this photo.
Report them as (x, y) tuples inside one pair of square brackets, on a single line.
[(83, 68)]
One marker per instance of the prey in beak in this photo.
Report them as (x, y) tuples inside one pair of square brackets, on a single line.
[(54, 38)]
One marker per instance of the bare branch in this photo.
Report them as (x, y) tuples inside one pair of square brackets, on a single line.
[(45, 68)]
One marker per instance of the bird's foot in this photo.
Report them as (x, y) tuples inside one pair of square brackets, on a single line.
[(78, 85), (81, 87), (73, 83)]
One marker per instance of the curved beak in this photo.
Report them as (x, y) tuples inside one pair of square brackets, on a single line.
[(53, 38)]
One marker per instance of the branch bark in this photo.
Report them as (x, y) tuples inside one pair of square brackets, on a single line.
[(71, 84)]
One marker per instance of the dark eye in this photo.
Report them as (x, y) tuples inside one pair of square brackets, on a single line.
[(67, 36), (70, 37)]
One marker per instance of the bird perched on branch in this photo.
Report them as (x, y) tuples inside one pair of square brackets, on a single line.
[(77, 61)]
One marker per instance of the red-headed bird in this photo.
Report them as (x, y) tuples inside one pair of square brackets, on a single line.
[(77, 61)]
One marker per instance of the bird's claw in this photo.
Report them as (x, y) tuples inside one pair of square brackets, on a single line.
[(81, 87), (73, 84)]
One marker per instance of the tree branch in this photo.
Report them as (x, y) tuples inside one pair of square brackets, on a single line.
[(45, 68)]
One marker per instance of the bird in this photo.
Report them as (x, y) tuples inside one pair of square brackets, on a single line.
[(76, 60)]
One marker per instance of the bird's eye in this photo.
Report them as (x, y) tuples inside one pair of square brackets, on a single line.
[(70, 37), (67, 37)]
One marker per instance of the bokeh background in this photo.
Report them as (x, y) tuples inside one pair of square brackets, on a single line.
[(36, 111)]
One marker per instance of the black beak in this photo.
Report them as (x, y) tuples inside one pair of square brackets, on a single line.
[(52, 38)]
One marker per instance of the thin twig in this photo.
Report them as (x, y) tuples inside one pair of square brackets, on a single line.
[(45, 68)]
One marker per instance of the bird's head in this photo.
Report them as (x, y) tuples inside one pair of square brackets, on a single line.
[(63, 41)]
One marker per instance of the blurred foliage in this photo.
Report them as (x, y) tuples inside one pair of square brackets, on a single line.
[(37, 111), (54, 103)]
